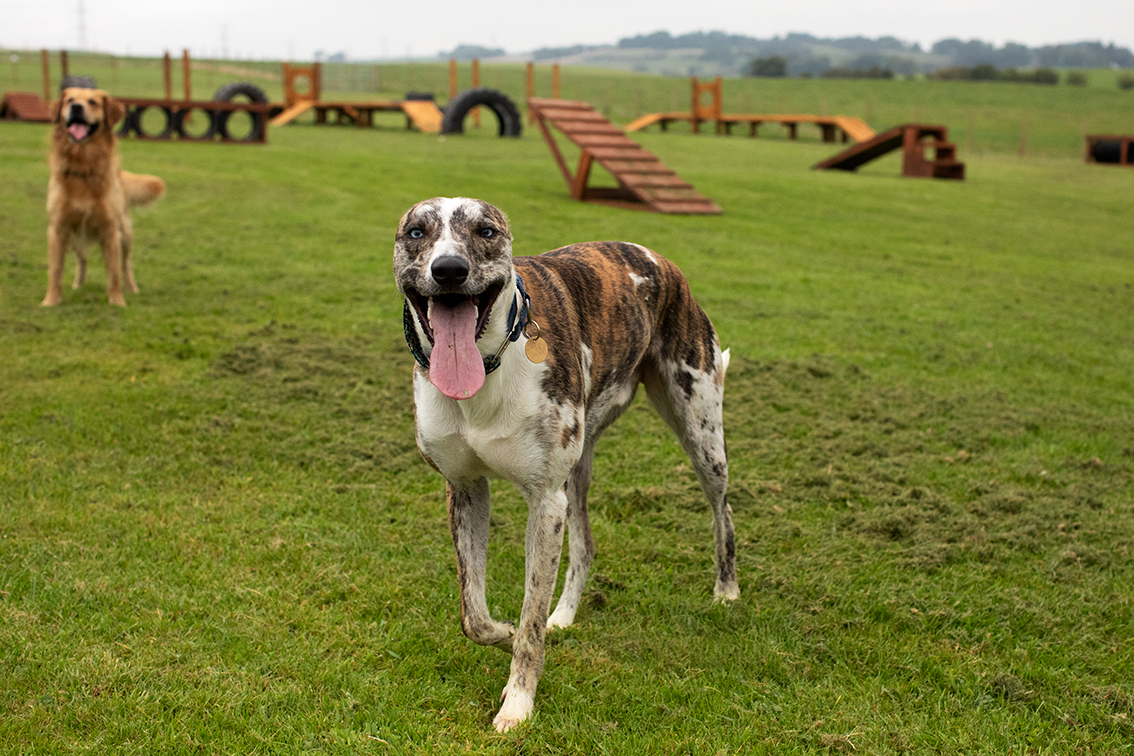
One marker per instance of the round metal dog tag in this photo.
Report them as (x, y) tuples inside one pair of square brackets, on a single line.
[(535, 348)]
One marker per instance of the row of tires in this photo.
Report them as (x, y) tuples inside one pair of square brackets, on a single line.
[(193, 124)]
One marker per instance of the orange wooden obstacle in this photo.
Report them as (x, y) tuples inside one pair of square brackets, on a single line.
[(424, 114), (643, 181), (24, 106), (914, 139), (703, 111)]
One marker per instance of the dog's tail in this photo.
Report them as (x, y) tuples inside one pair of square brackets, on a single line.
[(724, 360), (141, 189)]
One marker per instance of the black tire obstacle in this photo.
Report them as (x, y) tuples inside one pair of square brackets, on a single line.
[(234, 92), (506, 113)]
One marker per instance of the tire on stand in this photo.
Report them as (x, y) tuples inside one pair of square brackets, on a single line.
[(510, 122), (231, 92)]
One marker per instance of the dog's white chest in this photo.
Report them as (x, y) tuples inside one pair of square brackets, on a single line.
[(502, 432)]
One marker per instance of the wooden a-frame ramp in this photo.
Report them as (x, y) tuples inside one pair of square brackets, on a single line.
[(643, 181), (913, 139)]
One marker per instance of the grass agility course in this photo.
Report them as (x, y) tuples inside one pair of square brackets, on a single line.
[(217, 536)]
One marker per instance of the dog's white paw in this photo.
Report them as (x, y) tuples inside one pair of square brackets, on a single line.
[(560, 618), (517, 707), (726, 593)]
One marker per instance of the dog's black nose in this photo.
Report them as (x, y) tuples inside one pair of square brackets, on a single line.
[(450, 270)]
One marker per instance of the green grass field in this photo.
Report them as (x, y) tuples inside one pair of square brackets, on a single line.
[(217, 536)]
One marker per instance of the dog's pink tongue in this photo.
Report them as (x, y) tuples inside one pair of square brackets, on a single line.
[(78, 131), (455, 365)]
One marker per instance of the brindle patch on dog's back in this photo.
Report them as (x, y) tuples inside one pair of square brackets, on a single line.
[(632, 299)]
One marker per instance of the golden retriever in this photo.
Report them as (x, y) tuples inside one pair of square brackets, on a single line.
[(89, 196)]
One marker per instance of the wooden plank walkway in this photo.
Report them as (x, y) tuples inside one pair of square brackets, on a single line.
[(643, 181), (423, 114), (913, 139), (852, 128)]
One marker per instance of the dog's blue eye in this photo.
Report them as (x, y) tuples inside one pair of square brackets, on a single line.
[(416, 233), (488, 233)]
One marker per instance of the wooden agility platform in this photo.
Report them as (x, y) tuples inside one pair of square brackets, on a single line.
[(710, 111), (643, 181), (423, 114), (913, 139), (24, 106)]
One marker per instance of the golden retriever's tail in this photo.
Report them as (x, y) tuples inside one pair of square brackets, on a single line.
[(141, 189)]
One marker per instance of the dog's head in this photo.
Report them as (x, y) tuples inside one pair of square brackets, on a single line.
[(86, 114), (452, 261)]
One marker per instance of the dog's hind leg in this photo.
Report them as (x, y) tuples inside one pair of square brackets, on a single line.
[(127, 260), (581, 545), (468, 506), (543, 543), (689, 400), (81, 267)]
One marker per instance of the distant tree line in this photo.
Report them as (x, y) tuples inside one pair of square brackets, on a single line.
[(804, 54), (987, 72)]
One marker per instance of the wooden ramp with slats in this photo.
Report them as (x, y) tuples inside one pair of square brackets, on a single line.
[(24, 106), (643, 181), (913, 139)]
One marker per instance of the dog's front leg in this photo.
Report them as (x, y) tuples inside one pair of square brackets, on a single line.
[(542, 546), (111, 241), (468, 505), (58, 239)]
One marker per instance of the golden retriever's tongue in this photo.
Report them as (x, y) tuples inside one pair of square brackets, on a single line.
[(455, 365), (78, 131)]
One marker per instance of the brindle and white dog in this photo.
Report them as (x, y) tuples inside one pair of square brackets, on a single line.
[(522, 363)]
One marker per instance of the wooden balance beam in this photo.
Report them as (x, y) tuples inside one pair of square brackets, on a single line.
[(710, 111), (643, 181)]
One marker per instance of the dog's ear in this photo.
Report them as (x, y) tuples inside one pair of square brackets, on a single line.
[(113, 108), (57, 110)]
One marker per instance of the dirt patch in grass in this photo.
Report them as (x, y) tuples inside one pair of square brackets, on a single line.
[(932, 478)]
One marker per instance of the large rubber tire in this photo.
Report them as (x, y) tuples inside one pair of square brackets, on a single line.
[(454, 120), (228, 92), (1107, 151), (232, 91)]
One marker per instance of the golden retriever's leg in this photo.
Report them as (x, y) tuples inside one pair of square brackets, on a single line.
[(111, 241), (58, 237), (127, 261), (81, 267)]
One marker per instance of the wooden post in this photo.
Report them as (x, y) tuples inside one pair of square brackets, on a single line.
[(317, 81), (167, 76), (185, 74), (476, 85), (46, 76), (555, 81), (64, 64), (695, 108), (452, 78), (529, 88)]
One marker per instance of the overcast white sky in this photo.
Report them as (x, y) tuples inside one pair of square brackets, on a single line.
[(295, 29)]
